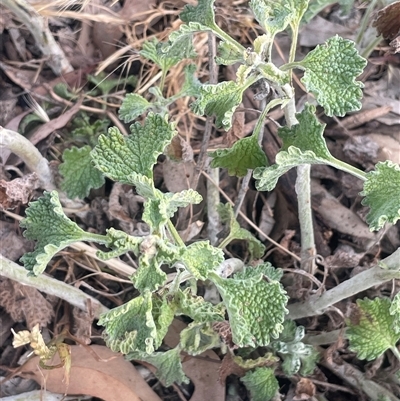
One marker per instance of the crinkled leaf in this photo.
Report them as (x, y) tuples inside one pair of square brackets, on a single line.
[(198, 337), (261, 383), (221, 99), (256, 247), (180, 48), (118, 156), (192, 85), (87, 131), (135, 326), (200, 259), (255, 305), (197, 308), (133, 106), (153, 50), (163, 314), (203, 13), (243, 155), (119, 242), (394, 310), (162, 207), (80, 176), (382, 194), (46, 223), (153, 254), (371, 328), (168, 364), (297, 356), (275, 15), (267, 177), (306, 135), (228, 54), (330, 73)]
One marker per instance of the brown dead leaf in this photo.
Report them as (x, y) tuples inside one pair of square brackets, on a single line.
[(110, 378), (230, 367), (13, 246), (19, 191), (60, 122), (387, 21), (305, 389), (25, 303)]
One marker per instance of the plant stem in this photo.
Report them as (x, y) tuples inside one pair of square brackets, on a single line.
[(348, 168), (303, 191), (213, 220), (51, 286), (396, 352), (30, 155), (364, 22), (44, 39), (317, 305), (172, 230)]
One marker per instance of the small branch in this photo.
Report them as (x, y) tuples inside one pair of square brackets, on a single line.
[(377, 275), (25, 150), (50, 286), (355, 378), (39, 29)]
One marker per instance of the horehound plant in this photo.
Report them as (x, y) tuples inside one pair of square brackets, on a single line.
[(254, 307)]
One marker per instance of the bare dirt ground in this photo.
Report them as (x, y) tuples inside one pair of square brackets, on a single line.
[(100, 41)]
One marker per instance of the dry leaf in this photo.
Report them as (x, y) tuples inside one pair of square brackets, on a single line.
[(111, 378), (387, 21), (305, 389), (17, 192), (25, 303)]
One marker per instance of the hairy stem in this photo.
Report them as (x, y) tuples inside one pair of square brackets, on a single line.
[(30, 155), (175, 235), (377, 275), (51, 286)]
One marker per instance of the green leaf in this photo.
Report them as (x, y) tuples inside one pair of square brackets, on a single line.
[(275, 15), (79, 174), (221, 99), (243, 155), (267, 177), (168, 364), (307, 134), (395, 312), (261, 383), (86, 131), (330, 73), (136, 325), (153, 254), (119, 242), (255, 305), (297, 356), (228, 54), (133, 106), (202, 14), (180, 48), (46, 223), (191, 85), (153, 50), (382, 194), (200, 259), (118, 156), (197, 308), (303, 143), (198, 337), (371, 329), (159, 209), (256, 247)]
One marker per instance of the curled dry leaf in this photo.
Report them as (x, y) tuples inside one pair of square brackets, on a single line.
[(387, 23), (19, 191), (305, 390), (108, 376)]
